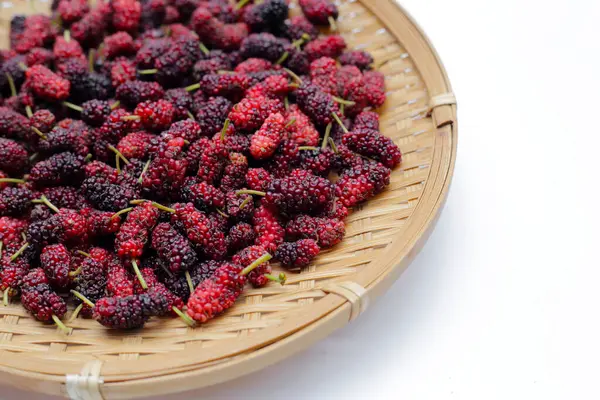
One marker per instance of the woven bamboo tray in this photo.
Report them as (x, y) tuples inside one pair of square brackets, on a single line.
[(272, 323)]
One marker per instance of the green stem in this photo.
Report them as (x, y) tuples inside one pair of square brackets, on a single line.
[(342, 109), (118, 153), (241, 4), (60, 324), (186, 318), (222, 213), (339, 121), (48, 204), (333, 145), (130, 118), (286, 102), (33, 157), (253, 192), (190, 115), (343, 101), (204, 49), (332, 23), (151, 71), (224, 130), (139, 274), (75, 313), (11, 84), (75, 273), (308, 148), (88, 157), (293, 75), (72, 106), (19, 252), (138, 202), (67, 35), (283, 57), (82, 298), (11, 180), (292, 122), (118, 164), (28, 111), (326, 137), (39, 133), (115, 104), (279, 279), (246, 201), (193, 87), (163, 208), (262, 259), (188, 278), (83, 253), (141, 178)]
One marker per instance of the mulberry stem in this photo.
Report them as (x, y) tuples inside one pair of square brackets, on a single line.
[(139, 274), (193, 87), (28, 111), (163, 208), (343, 101), (72, 106), (39, 133), (262, 259), (339, 121), (60, 324), (292, 122), (147, 71), (188, 321), (253, 192), (188, 278), (141, 178), (118, 153), (75, 313), (293, 75), (333, 145), (246, 201), (5, 298), (326, 137), (332, 23), (11, 180), (204, 49), (51, 206), (279, 279), (11, 84), (282, 59), (83, 253), (115, 104), (224, 130), (82, 298), (241, 4), (19, 252)]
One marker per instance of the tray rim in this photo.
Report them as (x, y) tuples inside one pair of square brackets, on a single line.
[(332, 311)]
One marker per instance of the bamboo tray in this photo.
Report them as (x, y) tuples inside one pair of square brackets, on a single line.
[(272, 323)]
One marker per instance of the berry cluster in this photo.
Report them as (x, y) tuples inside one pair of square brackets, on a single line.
[(155, 155)]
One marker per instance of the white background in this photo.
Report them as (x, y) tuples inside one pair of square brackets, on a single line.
[(504, 300)]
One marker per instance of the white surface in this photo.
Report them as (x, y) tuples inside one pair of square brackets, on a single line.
[(502, 303)]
